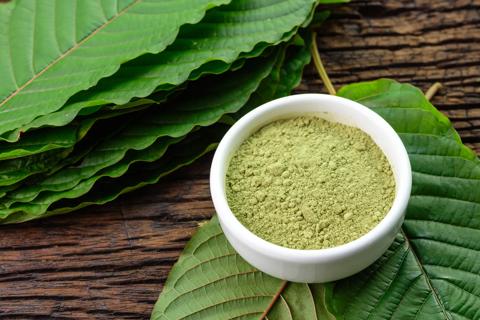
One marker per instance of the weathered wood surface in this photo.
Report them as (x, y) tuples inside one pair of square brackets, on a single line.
[(110, 262)]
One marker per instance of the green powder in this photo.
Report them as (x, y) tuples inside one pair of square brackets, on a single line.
[(308, 183)]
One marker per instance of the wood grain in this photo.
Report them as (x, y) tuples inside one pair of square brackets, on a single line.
[(110, 262)]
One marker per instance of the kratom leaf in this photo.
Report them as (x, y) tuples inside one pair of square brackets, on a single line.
[(45, 139), (223, 34), (140, 174), (211, 281), (48, 139), (109, 189), (226, 31), (201, 105), (45, 60), (25, 171), (431, 271), (15, 170)]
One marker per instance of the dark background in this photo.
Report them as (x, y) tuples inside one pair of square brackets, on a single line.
[(110, 262)]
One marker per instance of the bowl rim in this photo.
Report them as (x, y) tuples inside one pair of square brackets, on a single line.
[(229, 220)]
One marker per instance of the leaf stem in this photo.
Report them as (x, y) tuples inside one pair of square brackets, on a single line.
[(319, 66), (274, 299), (433, 90)]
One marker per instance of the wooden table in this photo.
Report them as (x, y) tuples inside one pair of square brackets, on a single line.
[(110, 262)]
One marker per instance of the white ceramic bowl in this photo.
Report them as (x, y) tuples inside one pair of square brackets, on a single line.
[(324, 264)]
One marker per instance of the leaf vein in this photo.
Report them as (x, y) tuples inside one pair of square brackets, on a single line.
[(208, 284), (443, 242), (441, 222), (66, 53), (224, 302), (423, 304), (457, 286), (427, 279), (399, 248), (405, 294), (201, 263), (395, 276)]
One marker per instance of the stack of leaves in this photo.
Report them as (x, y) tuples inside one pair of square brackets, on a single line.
[(102, 97), (431, 271)]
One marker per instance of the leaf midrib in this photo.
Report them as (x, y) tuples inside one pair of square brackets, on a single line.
[(425, 274), (66, 53)]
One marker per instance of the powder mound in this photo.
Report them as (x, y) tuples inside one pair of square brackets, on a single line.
[(308, 183)]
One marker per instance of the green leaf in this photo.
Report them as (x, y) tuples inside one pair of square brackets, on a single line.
[(24, 171), (45, 61), (200, 105), (112, 188), (15, 170), (66, 136), (140, 174), (431, 271), (115, 182), (48, 138), (211, 281), (187, 295), (222, 36), (388, 94)]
